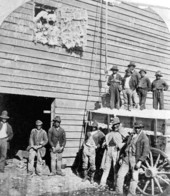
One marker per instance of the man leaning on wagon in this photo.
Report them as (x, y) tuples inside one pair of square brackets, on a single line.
[(37, 141), (136, 151), (57, 140), (92, 142), (6, 135)]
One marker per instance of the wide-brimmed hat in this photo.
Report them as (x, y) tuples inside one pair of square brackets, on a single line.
[(38, 122), (115, 121), (138, 124), (132, 64), (158, 73), (114, 67), (57, 119), (4, 115), (143, 71)]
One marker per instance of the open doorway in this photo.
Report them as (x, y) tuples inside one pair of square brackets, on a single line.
[(24, 111)]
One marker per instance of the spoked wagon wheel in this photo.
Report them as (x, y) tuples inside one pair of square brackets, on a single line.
[(154, 175)]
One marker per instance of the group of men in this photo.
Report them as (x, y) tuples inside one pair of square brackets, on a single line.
[(37, 141), (135, 86), (128, 154), (37, 145)]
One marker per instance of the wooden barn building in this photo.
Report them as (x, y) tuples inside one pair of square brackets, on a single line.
[(39, 80)]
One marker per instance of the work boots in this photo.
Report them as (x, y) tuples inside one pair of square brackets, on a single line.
[(85, 175)]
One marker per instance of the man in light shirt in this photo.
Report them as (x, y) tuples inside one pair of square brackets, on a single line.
[(129, 85), (6, 135), (113, 143)]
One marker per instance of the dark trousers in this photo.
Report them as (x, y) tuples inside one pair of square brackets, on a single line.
[(142, 93), (3, 153), (158, 98), (114, 97)]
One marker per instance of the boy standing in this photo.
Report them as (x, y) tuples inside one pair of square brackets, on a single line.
[(158, 86), (143, 88)]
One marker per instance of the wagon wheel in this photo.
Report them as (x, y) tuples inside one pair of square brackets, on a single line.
[(154, 175)]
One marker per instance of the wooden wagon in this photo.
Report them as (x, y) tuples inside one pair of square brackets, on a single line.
[(154, 177)]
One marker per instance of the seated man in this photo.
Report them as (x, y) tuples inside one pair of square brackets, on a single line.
[(136, 151), (38, 139)]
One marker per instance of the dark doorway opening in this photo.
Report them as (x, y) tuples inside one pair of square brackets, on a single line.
[(24, 111)]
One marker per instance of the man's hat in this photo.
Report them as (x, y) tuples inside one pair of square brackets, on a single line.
[(94, 124), (4, 115), (143, 71), (115, 121), (132, 64), (158, 73), (138, 124), (38, 122), (114, 67), (57, 118)]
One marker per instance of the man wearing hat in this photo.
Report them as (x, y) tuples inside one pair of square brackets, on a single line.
[(136, 151), (136, 77), (114, 82), (129, 84), (113, 143), (143, 87), (157, 87), (6, 135), (37, 141), (57, 140), (93, 141)]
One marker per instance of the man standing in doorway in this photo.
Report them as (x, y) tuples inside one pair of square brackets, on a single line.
[(57, 140), (135, 75), (38, 139), (6, 135), (114, 82)]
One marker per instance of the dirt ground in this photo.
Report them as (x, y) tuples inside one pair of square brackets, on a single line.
[(16, 182)]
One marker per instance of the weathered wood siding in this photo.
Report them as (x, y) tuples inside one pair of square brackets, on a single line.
[(78, 82)]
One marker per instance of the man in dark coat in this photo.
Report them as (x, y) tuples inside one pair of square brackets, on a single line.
[(57, 140), (136, 151), (158, 86), (143, 87), (136, 77), (114, 82), (37, 141), (6, 135)]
